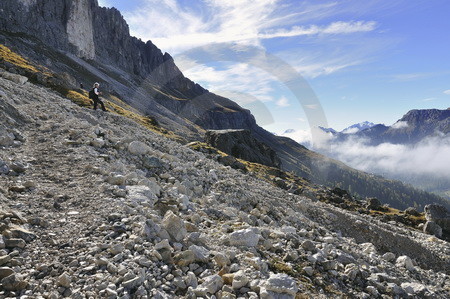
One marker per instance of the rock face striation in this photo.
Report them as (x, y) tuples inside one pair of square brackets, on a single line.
[(241, 144)]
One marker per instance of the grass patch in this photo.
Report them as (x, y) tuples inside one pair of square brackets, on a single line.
[(78, 98), (147, 121), (9, 56)]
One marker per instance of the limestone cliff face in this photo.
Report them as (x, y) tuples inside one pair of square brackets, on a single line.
[(89, 31), (79, 29)]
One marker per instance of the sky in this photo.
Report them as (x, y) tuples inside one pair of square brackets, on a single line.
[(371, 60)]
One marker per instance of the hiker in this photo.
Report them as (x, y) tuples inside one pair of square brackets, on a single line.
[(93, 94)]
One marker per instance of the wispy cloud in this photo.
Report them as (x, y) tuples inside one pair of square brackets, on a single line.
[(333, 28), (447, 91), (231, 78), (283, 102), (400, 125), (411, 76), (104, 3), (175, 28), (428, 157)]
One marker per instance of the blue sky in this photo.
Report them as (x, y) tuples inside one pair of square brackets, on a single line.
[(365, 60)]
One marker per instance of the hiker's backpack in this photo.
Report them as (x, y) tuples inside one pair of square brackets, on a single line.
[(91, 94)]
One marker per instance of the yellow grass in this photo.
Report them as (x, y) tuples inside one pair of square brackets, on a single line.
[(78, 98), (14, 58)]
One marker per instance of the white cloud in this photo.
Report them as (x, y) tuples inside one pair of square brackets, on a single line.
[(283, 102), (428, 157), (231, 79), (301, 136), (410, 76), (400, 125), (175, 28), (314, 138), (333, 28), (104, 3), (428, 99), (447, 91), (350, 130)]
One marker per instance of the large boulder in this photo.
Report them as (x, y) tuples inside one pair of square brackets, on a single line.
[(241, 144), (432, 228), (439, 215), (279, 286), (175, 226), (248, 237)]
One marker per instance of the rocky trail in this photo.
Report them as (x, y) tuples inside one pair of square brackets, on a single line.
[(94, 205)]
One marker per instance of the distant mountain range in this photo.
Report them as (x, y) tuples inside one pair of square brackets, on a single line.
[(349, 130), (412, 150), (413, 127)]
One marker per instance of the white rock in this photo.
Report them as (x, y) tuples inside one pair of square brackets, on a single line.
[(175, 226), (368, 248), (116, 179), (64, 280), (288, 229), (116, 249), (405, 261), (211, 284), (221, 259), (138, 148), (245, 237), (279, 284), (239, 280), (213, 174), (98, 142), (15, 78), (329, 240), (164, 244), (413, 288), (141, 194), (388, 256), (201, 253), (191, 280)]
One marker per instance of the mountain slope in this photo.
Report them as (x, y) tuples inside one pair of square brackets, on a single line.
[(90, 210), (76, 42)]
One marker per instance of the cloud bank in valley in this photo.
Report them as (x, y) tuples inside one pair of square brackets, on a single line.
[(429, 158)]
